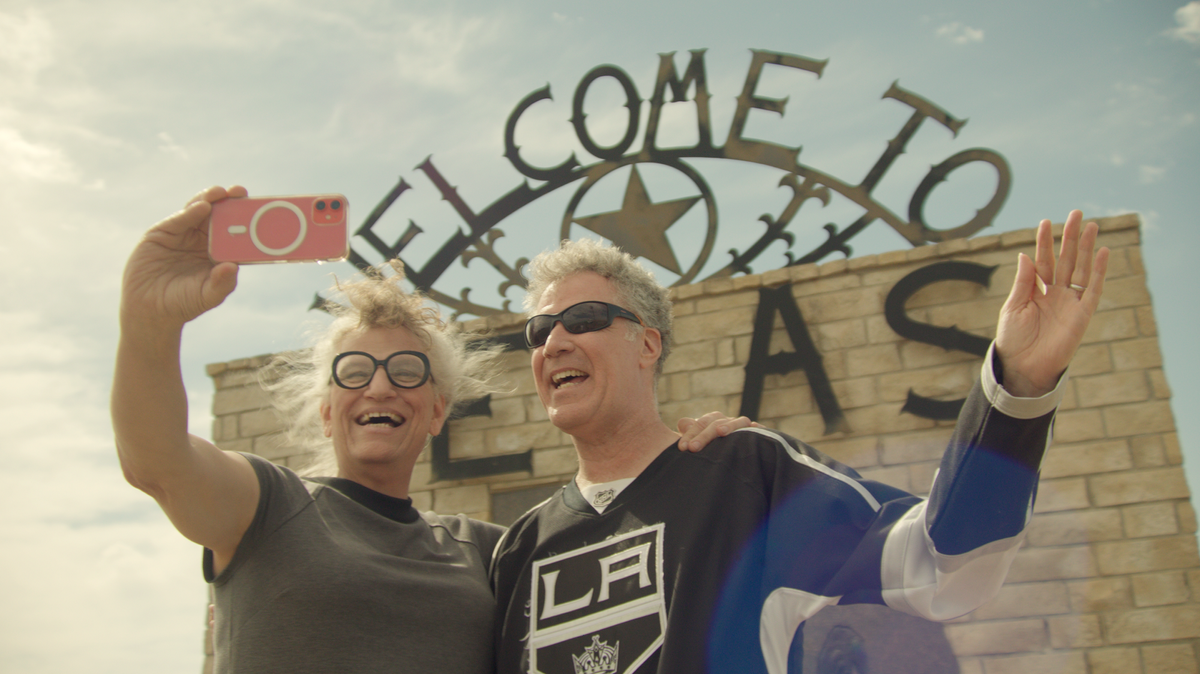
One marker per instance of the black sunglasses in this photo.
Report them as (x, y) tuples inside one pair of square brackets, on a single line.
[(405, 369), (577, 319)]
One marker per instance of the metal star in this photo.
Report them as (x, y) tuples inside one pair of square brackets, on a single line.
[(640, 227)]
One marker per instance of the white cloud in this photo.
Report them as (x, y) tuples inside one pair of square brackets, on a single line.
[(168, 145), (1188, 18), (29, 160), (26, 46), (1151, 174), (959, 33)]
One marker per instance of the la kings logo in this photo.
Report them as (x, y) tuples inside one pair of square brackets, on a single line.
[(599, 609)]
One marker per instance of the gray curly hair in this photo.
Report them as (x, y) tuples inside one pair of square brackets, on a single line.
[(637, 288), (462, 367)]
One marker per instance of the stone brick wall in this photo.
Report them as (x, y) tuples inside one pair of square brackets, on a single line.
[(1109, 578)]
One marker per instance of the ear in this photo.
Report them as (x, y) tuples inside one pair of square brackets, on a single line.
[(439, 415), (327, 417), (651, 347)]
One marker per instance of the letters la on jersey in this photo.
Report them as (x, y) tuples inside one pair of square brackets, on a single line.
[(599, 609)]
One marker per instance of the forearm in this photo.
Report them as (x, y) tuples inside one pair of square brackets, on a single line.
[(149, 405)]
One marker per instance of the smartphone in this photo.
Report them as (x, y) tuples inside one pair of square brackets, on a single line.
[(299, 228)]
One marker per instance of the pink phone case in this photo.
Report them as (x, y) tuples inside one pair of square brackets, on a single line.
[(300, 228)]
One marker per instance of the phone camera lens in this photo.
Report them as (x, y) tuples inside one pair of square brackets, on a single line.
[(335, 204), (320, 205)]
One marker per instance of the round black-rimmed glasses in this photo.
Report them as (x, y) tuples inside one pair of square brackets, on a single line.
[(577, 319), (405, 369)]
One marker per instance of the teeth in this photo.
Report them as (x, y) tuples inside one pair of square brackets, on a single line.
[(379, 418), (559, 377)]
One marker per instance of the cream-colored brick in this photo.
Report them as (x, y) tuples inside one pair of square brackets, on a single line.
[(1171, 659), (451, 500), (240, 399), (876, 359), (921, 477), (467, 444), (911, 447), (1063, 494), (1124, 292), (504, 412), (970, 666), (1075, 631), (558, 461), (520, 438), (422, 500), (679, 386), (977, 316), (840, 335), (1025, 600), (946, 292), (993, 638), (786, 402), (259, 422), (941, 383), (1135, 354), (1078, 426), (1114, 388), (708, 305), (1066, 528), (1151, 519), (727, 353), (1114, 661), (1157, 484), (860, 392), (836, 306), (1064, 460), (1146, 323), (1148, 451), (858, 453), (1187, 517), (917, 355), (879, 332), (691, 357), (1160, 589), (897, 476), (1092, 359), (1154, 554), (1109, 326), (1034, 564), (1171, 448), (1095, 595), (880, 419), (719, 381), (707, 327), (1039, 663), (1159, 389), (1153, 624), (1139, 418)]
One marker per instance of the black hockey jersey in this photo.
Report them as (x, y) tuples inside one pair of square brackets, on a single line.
[(710, 562)]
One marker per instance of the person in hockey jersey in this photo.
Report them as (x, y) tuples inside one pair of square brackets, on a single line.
[(662, 561)]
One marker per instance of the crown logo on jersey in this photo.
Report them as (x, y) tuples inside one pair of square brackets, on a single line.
[(599, 658)]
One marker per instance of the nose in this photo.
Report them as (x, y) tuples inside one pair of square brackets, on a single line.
[(380, 386), (558, 341)]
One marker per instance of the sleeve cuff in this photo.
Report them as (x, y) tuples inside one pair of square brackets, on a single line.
[(1010, 405)]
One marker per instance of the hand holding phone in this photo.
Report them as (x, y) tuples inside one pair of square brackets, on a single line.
[(299, 228)]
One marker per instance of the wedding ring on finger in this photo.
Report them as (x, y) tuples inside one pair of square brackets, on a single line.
[(1076, 286)]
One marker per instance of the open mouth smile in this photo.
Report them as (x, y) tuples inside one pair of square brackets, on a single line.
[(568, 378), (380, 419)]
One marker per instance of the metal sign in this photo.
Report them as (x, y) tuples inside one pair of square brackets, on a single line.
[(640, 225)]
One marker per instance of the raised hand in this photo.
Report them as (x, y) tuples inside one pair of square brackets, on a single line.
[(169, 278), (699, 432), (1049, 308)]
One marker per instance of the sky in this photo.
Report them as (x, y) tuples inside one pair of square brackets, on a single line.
[(112, 114)]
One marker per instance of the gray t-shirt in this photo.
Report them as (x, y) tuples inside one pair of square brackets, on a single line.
[(334, 577)]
